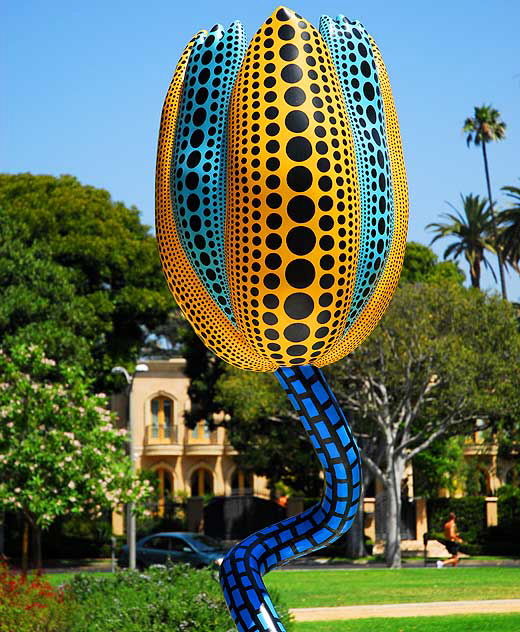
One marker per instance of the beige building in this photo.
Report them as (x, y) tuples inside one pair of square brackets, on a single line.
[(196, 462)]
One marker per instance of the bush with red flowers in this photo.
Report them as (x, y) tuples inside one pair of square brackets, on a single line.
[(31, 604)]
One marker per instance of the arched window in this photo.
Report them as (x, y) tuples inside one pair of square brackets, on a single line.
[(201, 482), (241, 483), (162, 419), (166, 488)]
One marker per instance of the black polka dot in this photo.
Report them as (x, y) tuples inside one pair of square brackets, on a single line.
[(298, 305), (292, 73), (300, 208), (300, 273), (272, 281), (271, 112), (283, 15), (273, 241), (296, 350), (301, 240), (299, 149), (271, 301), (286, 32), (294, 96), (296, 332), (274, 200), (274, 221), (299, 179), (368, 91), (297, 121), (288, 52)]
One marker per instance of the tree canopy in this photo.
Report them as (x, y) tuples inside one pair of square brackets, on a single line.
[(59, 450), (80, 272)]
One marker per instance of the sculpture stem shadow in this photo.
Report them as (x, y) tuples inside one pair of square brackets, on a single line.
[(243, 567)]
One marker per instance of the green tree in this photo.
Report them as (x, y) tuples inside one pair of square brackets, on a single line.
[(442, 357), (482, 128), (471, 232), (60, 452), (110, 259), (509, 220), (421, 265)]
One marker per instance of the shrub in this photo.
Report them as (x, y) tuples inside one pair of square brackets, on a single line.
[(163, 599), (509, 506), (31, 604)]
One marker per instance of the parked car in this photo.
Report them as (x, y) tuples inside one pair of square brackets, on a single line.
[(159, 548)]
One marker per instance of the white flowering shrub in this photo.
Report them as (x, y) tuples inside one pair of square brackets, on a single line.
[(60, 452)]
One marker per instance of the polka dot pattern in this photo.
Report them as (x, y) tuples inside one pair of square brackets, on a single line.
[(385, 288), (293, 222), (198, 174), (281, 198), (208, 320), (352, 53)]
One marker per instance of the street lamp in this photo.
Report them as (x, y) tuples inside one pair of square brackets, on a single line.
[(130, 516)]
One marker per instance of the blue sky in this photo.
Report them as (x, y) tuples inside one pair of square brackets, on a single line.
[(83, 86)]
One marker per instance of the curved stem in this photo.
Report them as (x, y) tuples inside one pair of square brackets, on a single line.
[(243, 567)]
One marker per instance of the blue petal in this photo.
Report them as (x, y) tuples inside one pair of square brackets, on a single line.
[(198, 180), (351, 51)]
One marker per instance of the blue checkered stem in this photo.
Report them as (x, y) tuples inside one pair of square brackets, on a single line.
[(243, 567)]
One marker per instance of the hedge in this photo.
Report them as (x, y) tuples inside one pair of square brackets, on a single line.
[(471, 520)]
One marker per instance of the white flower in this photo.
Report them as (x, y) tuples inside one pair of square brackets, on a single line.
[(72, 484)]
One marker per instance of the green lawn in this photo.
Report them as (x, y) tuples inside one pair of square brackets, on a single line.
[(306, 589), (454, 623)]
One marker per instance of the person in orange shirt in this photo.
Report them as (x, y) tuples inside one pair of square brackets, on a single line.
[(452, 542)]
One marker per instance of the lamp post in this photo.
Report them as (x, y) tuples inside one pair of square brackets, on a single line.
[(130, 516)]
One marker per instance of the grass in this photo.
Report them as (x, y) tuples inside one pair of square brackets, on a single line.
[(453, 623), (318, 588)]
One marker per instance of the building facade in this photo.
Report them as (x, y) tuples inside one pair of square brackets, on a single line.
[(188, 462)]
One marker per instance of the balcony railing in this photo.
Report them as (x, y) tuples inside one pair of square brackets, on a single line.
[(161, 434)]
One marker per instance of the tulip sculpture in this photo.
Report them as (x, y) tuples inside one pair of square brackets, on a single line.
[(281, 220)]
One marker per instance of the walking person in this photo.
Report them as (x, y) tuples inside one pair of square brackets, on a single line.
[(452, 542)]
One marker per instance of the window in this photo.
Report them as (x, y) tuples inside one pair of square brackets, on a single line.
[(201, 482), (241, 483), (162, 418), (201, 432), (159, 542), (165, 480)]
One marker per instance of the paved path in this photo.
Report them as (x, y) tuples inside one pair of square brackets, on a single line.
[(429, 609)]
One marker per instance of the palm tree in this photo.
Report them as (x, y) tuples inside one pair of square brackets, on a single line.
[(472, 233), (484, 127), (509, 220)]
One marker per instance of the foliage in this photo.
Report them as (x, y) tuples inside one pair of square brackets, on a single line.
[(59, 450), (421, 265), (484, 126), (471, 519), (163, 599), (105, 278), (471, 231), (442, 357), (441, 466), (509, 506), (509, 220), (30, 604)]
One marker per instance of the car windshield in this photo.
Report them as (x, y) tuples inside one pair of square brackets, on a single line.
[(204, 543)]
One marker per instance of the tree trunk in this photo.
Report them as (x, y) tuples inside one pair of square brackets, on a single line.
[(355, 540), (494, 222), (475, 273), (25, 546), (37, 548), (393, 514)]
